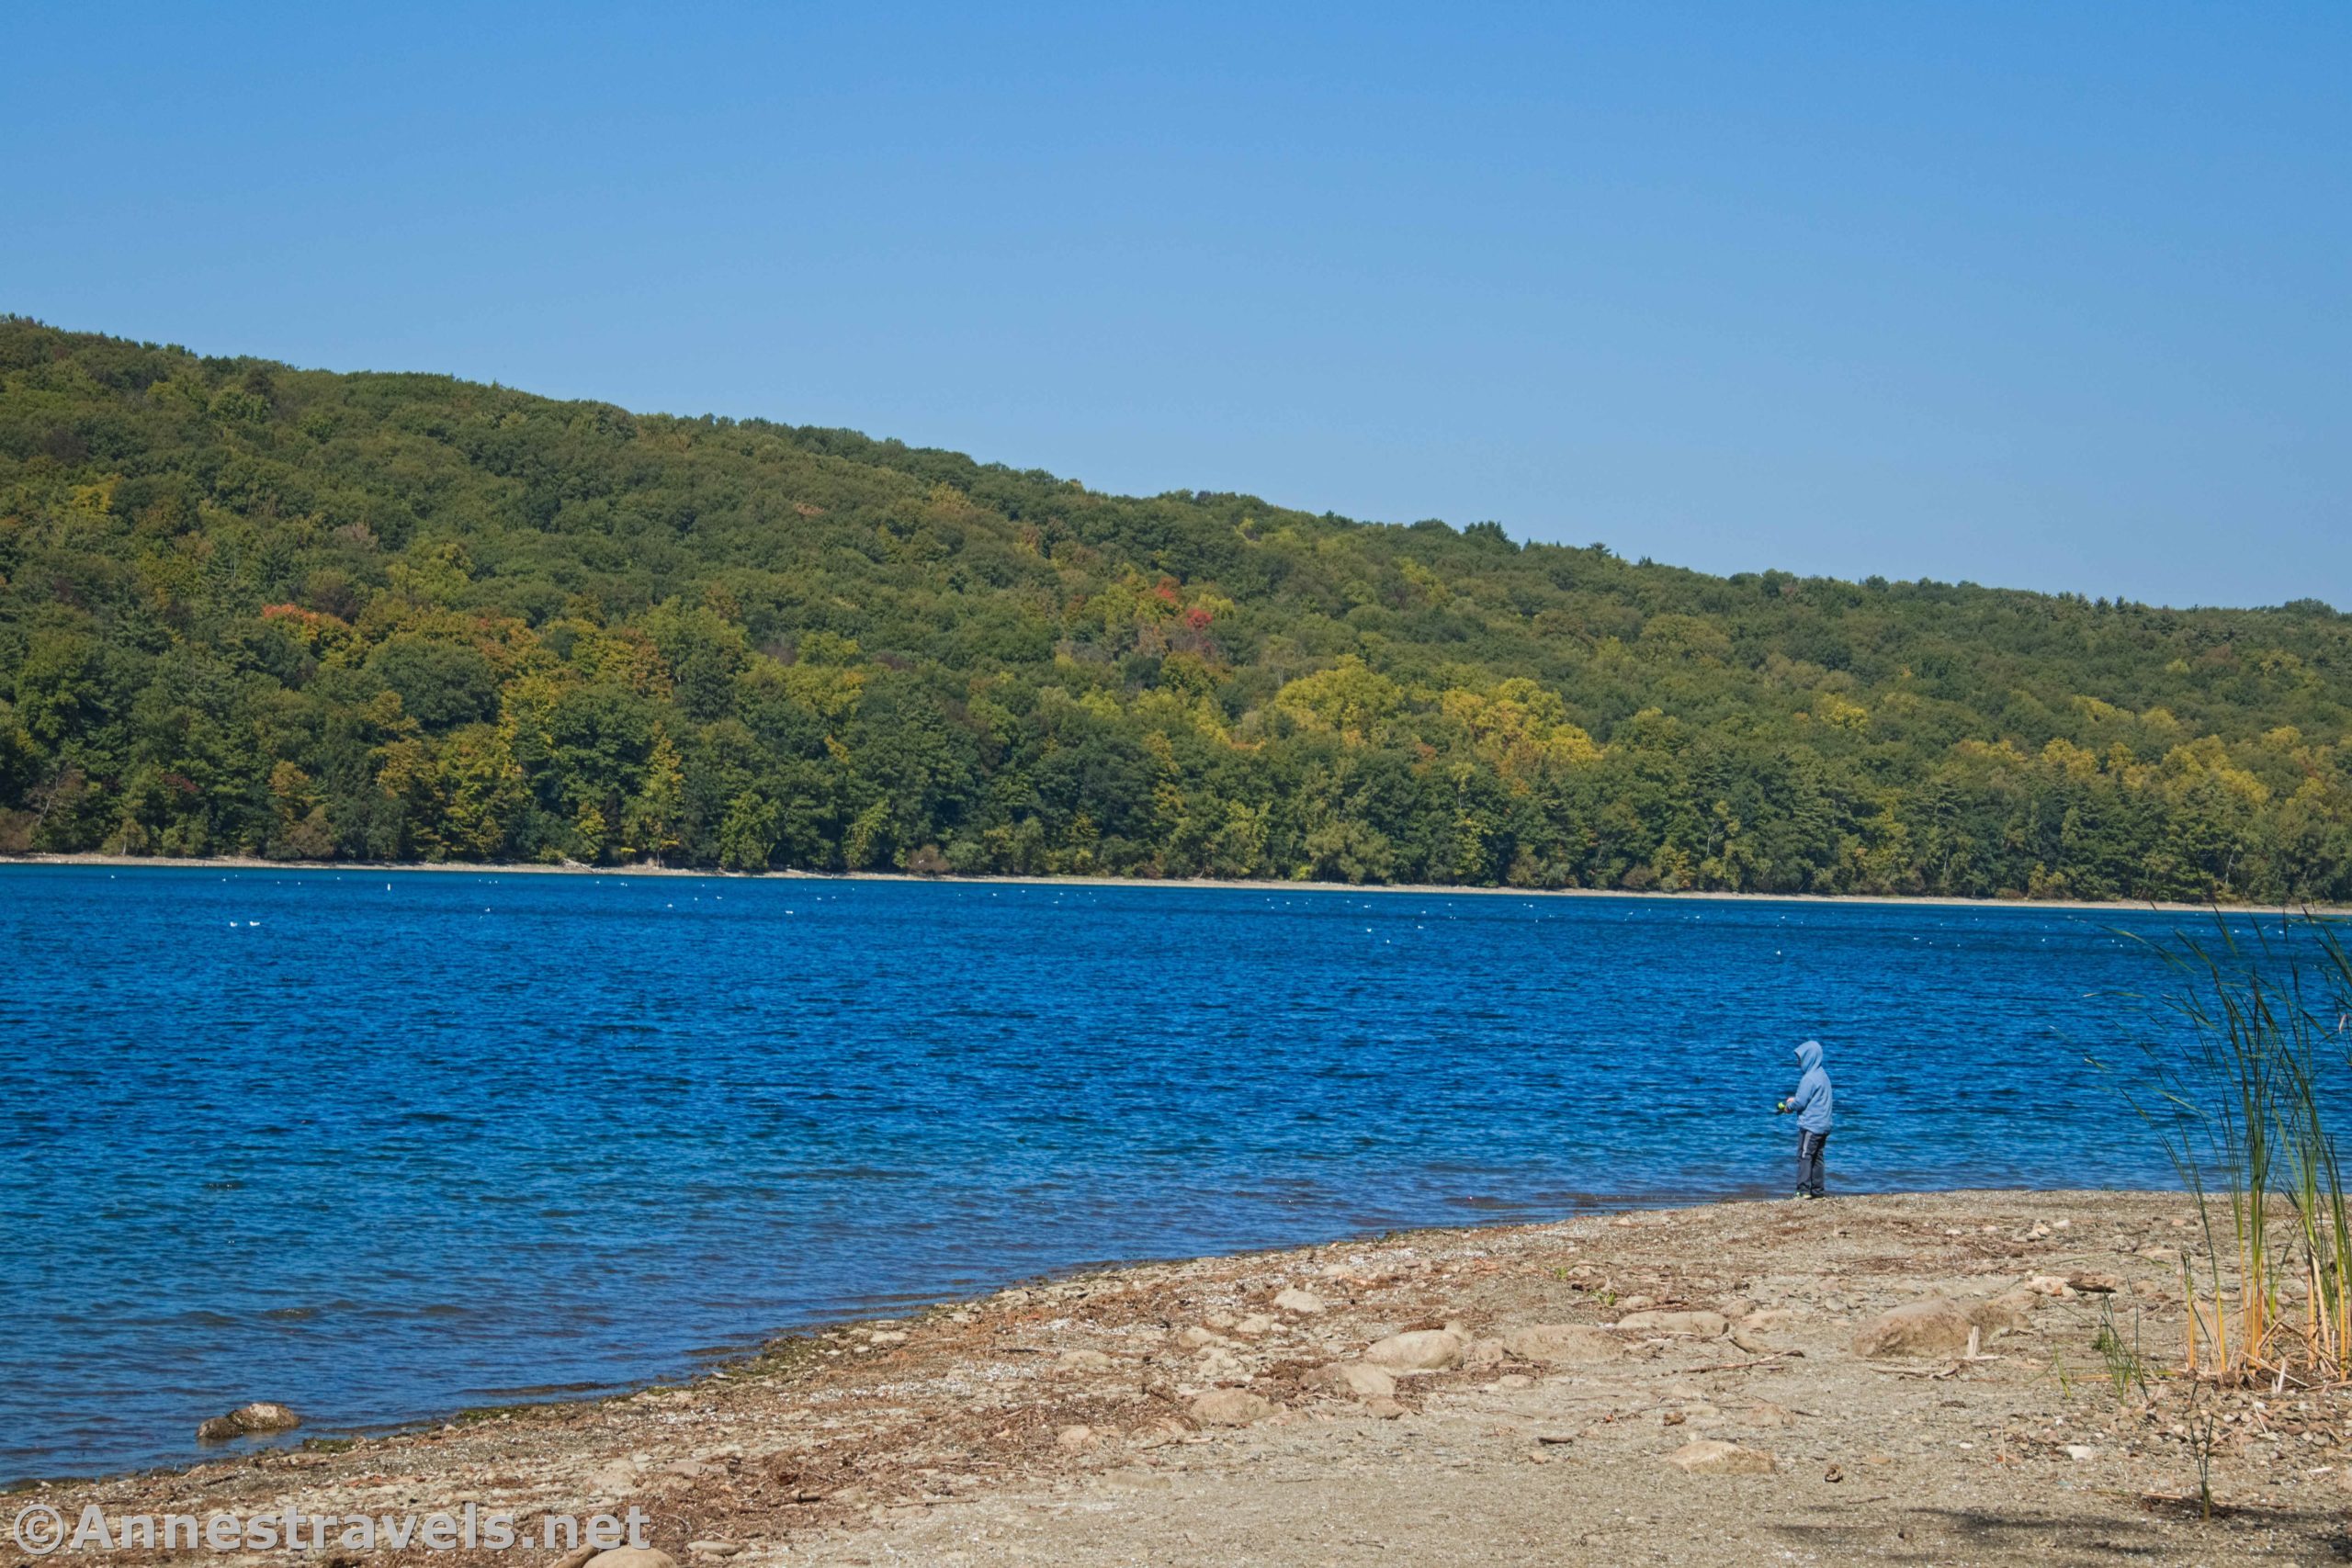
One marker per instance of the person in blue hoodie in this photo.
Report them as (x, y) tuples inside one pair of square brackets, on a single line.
[(1810, 1104)]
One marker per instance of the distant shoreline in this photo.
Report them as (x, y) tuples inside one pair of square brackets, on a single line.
[(1259, 884)]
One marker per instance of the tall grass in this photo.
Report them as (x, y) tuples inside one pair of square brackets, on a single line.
[(2245, 1115)]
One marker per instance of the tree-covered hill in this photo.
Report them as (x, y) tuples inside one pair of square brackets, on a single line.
[(250, 609)]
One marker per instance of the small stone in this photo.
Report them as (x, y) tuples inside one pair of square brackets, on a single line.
[(1230, 1407), (880, 1337), (1305, 1303), (1637, 1303), (1074, 1437), (633, 1557), (1355, 1379), (1087, 1361), (1385, 1409), (262, 1416), (1565, 1343), (1514, 1380), (2080, 1451), (1703, 1325), (714, 1547), (2096, 1284), (1220, 1365), (614, 1478), (1709, 1457), (576, 1557), (1196, 1338), (1939, 1326), (1419, 1350), (2048, 1285), (1255, 1325), (2007, 1312), (1764, 1413)]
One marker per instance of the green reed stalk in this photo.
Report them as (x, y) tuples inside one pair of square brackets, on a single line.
[(2243, 1118)]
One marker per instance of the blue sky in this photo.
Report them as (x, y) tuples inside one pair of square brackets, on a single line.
[(2044, 296)]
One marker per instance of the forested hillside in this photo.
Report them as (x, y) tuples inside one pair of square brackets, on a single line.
[(248, 609)]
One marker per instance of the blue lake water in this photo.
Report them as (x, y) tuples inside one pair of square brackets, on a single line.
[(381, 1145)]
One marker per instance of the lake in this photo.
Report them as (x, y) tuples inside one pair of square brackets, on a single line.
[(384, 1145)]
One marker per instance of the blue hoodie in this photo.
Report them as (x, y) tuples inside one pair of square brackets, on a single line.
[(1811, 1101)]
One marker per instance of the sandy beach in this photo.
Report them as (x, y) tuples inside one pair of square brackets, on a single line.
[(1714, 1384)]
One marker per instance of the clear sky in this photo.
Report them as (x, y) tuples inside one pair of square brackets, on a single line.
[(2041, 295)]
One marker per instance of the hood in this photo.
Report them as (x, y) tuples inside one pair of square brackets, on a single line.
[(1809, 1054)]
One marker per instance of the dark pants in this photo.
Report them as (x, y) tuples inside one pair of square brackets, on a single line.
[(1809, 1172)]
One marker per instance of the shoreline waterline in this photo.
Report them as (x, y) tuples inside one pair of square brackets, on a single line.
[(722, 1366), (1191, 884)]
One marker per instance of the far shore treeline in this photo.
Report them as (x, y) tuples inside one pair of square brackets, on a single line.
[(253, 610)]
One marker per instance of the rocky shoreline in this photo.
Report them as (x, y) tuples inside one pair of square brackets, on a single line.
[(1879, 1378)]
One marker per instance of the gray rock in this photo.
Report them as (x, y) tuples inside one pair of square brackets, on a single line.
[(1230, 1407), (1419, 1351), (1355, 1379), (1705, 1324), (1305, 1303), (2004, 1313), (262, 1416), (633, 1557), (1711, 1457), (1917, 1330), (1941, 1326), (1565, 1345)]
